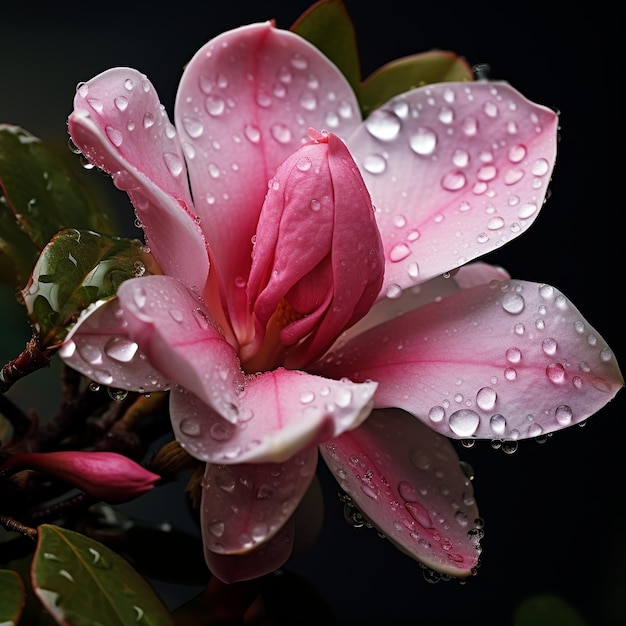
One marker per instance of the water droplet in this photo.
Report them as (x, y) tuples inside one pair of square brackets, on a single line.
[(540, 167), (121, 349), (464, 422), (304, 164), (419, 514), (383, 124), (513, 355), (193, 127), (563, 414), (399, 252), (174, 163), (555, 372), (218, 431), (453, 181), (513, 303), (423, 141), (406, 491), (190, 426), (517, 153), (375, 164), (486, 398), (215, 105), (117, 394), (148, 120), (121, 102), (281, 133), (307, 397), (217, 528), (527, 210), (549, 346), (115, 135), (436, 414)]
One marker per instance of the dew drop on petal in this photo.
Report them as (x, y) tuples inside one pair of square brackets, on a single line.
[(464, 422), (513, 303), (383, 124), (563, 414), (555, 372), (497, 424), (486, 398), (423, 141)]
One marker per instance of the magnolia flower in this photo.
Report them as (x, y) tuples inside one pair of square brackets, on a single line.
[(309, 303), (106, 476)]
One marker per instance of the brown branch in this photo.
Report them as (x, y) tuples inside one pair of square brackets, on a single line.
[(12, 524), (31, 359)]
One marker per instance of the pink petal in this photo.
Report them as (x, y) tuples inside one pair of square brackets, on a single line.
[(100, 348), (506, 360), (246, 505), (399, 302), (455, 170), (175, 332), (276, 415), (120, 126), (407, 480), (245, 102), (317, 250), (267, 558)]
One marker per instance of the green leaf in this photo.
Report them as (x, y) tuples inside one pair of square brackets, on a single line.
[(410, 72), (38, 197), (329, 28), (12, 597), (76, 269), (547, 610), (81, 582)]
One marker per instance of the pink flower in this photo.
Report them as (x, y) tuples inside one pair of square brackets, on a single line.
[(106, 476), (303, 305)]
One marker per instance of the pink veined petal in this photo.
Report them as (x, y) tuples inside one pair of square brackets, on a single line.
[(175, 332), (462, 177), (245, 102), (246, 505), (507, 360), (401, 301), (119, 125), (99, 347), (408, 482), (317, 249), (276, 415), (267, 558)]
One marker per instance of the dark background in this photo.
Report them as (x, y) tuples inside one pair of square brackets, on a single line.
[(554, 512)]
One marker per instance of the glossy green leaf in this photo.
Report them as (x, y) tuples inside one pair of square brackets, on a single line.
[(547, 610), (38, 196), (12, 597), (410, 72), (76, 269), (327, 25), (80, 581)]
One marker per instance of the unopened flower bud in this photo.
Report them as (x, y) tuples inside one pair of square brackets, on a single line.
[(106, 476)]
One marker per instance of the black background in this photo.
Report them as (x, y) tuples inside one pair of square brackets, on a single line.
[(554, 512)]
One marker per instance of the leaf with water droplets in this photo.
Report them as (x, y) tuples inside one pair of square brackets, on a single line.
[(408, 482), (81, 581), (407, 73), (329, 28), (39, 195), (12, 597), (77, 268)]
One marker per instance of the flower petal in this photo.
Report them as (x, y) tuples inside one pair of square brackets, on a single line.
[(267, 558), (317, 250), (175, 332), (398, 303), (245, 505), (407, 480), (99, 347), (277, 414), (455, 170), (245, 102), (507, 360), (119, 125)]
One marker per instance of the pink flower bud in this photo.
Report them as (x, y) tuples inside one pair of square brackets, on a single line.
[(106, 476)]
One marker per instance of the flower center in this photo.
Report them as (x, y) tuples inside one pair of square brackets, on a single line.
[(270, 354)]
